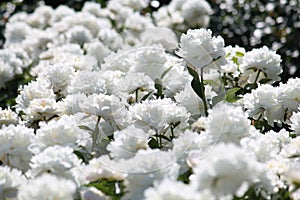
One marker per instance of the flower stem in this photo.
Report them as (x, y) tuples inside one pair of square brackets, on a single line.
[(203, 92), (256, 78), (136, 95)]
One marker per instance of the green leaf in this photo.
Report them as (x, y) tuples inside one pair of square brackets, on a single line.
[(211, 82), (218, 98), (196, 85), (108, 187), (83, 154), (146, 96), (185, 176), (85, 128), (159, 87), (165, 72), (265, 80), (153, 143), (239, 54), (235, 60), (231, 95), (193, 72)]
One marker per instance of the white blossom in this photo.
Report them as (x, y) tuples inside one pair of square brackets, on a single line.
[(127, 142), (168, 189), (263, 60), (199, 48), (14, 143), (47, 187), (10, 181)]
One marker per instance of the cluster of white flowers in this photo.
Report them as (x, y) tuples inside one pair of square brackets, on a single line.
[(275, 104), (114, 105)]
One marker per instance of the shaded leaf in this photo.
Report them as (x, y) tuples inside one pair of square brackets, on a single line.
[(153, 143), (85, 128), (264, 81), (196, 85), (193, 72), (165, 72), (146, 96), (231, 95), (218, 98), (211, 82)]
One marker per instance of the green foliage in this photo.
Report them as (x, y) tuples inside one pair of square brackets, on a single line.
[(255, 23), (114, 189), (10, 92)]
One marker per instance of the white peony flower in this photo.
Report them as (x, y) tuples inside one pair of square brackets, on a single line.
[(132, 83), (41, 16), (7, 117), (56, 160), (85, 19), (263, 102), (170, 189), (41, 109), (63, 132), (10, 65), (47, 187), (60, 12), (289, 94), (183, 15), (14, 142), (70, 55), (135, 4), (159, 35), (228, 170), (196, 13), (110, 38), (190, 141), (264, 60), (127, 142), (98, 50), (39, 89), (227, 123), (59, 75), (146, 167), (199, 48), (151, 61), (158, 114), (295, 123), (265, 146), (99, 168), (71, 104), (105, 106), (16, 32), (92, 8), (86, 82), (122, 60), (10, 181), (79, 35), (138, 22)]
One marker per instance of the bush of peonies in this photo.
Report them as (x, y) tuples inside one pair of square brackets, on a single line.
[(119, 106)]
